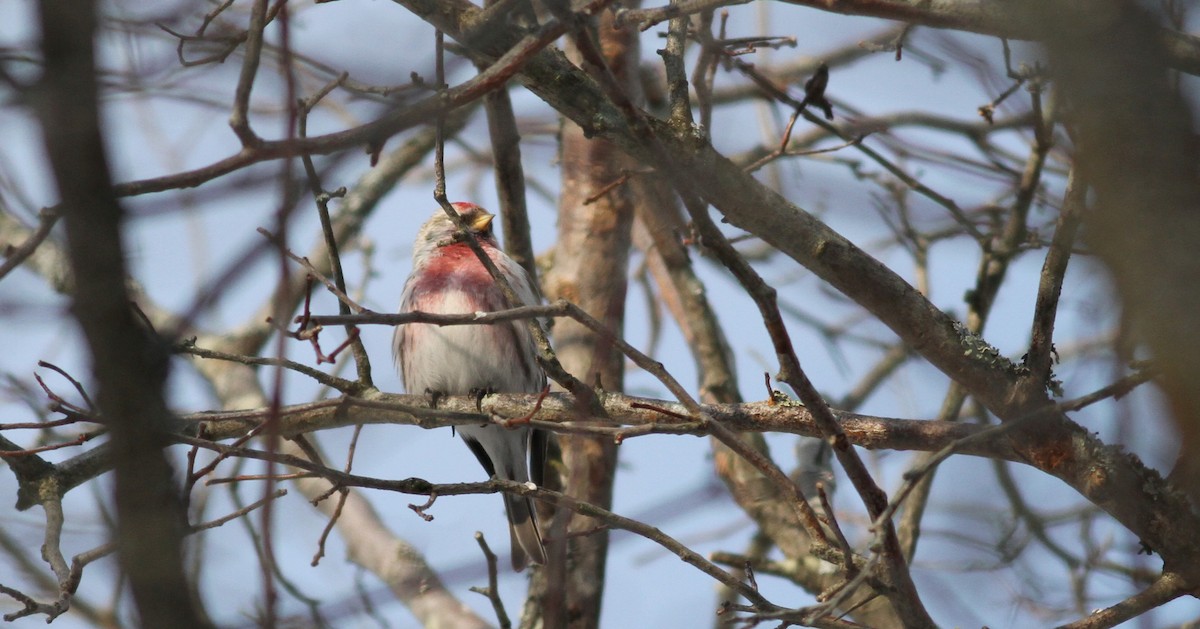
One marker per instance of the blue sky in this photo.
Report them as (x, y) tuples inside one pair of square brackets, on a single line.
[(179, 240)]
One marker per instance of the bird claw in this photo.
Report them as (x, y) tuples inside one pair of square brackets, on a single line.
[(434, 396), (479, 394)]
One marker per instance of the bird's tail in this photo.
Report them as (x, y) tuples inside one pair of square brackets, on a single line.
[(522, 526)]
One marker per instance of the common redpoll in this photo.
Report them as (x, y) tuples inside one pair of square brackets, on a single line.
[(448, 278)]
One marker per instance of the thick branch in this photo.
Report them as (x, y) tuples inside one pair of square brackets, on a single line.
[(129, 364), (987, 17)]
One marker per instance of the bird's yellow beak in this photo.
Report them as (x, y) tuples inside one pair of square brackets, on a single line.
[(482, 222)]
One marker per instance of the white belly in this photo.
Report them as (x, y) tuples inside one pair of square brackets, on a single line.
[(459, 359)]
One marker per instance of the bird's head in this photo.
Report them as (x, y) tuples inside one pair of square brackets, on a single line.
[(440, 231)]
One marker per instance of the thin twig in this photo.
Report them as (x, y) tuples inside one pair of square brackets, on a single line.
[(321, 197), (16, 255), (492, 591), (848, 555), (212, 524), (1054, 270), (239, 119), (1116, 390), (91, 407), (904, 595), (341, 384)]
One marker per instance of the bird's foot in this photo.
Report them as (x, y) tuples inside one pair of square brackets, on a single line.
[(479, 394), (434, 396)]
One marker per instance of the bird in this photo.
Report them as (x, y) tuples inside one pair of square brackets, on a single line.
[(814, 91), (448, 278)]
